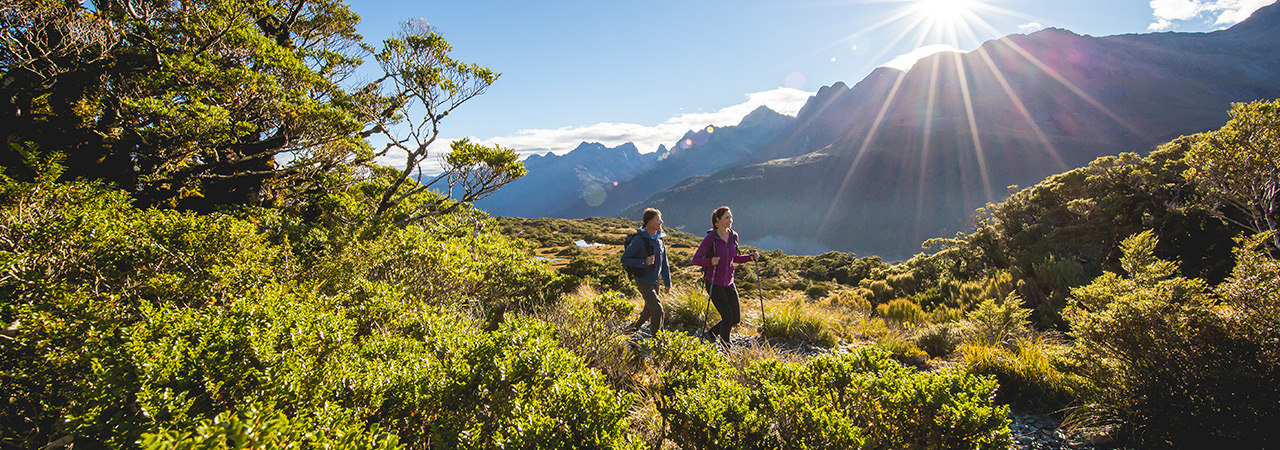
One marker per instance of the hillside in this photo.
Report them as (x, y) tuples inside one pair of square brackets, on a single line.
[(909, 164)]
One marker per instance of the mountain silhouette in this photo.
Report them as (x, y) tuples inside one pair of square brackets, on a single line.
[(906, 156)]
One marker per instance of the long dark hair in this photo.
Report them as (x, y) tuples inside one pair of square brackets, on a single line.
[(715, 216)]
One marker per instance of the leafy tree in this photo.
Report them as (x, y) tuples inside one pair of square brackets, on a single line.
[(213, 102), (1239, 165)]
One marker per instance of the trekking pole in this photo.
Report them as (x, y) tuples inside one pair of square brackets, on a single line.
[(710, 285), (759, 294)]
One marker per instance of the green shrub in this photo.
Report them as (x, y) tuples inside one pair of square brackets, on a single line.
[(866, 397), (930, 299), (697, 398), (255, 429), (993, 323), (182, 317), (590, 328), (816, 291), (881, 289), (902, 311), (604, 276), (1173, 364), (939, 340), (946, 315)]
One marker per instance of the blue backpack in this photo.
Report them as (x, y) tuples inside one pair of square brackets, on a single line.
[(648, 250)]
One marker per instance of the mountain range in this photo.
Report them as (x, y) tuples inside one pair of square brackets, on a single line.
[(902, 157)]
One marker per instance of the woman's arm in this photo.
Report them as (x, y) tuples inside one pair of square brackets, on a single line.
[(700, 257)]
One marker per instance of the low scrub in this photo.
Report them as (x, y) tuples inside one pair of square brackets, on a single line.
[(859, 400)]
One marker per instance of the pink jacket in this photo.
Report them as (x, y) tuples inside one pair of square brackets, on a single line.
[(728, 253)]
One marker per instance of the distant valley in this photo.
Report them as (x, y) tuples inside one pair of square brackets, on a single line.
[(901, 157)]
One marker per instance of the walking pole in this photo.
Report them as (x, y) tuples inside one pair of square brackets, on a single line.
[(758, 293), (710, 285)]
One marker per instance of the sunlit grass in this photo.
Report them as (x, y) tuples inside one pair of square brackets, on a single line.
[(794, 321)]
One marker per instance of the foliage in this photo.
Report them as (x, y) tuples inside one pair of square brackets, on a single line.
[(816, 291), (1239, 164), (1064, 231), (851, 301), (209, 103), (939, 340), (601, 275), (903, 349), (865, 396), (126, 321), (690, 308), (997, 323), (859, 400), (1172, 364), (843, 268), (259, 429), (588, 325)]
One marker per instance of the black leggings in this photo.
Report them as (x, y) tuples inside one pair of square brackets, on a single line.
[(725, 298)]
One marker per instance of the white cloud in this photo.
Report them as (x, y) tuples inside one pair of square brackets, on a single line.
[(647, 138), (1223, 13), (905, 61), (1237, 11), (1030, 27)]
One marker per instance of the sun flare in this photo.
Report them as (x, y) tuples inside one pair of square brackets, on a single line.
[(947, 11)]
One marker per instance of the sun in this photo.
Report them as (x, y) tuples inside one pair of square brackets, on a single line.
[(946, 11)]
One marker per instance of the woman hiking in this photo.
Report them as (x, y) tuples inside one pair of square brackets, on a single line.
[(718, 252), (646, 259)]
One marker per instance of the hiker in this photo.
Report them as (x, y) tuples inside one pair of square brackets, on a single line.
[(718, 253), (645, 257)]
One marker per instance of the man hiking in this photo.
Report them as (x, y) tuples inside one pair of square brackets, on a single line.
[(645, 258)]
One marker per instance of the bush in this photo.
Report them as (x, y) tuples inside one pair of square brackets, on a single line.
[(589, 324), (1175, 365), (994, 323), (257, 429), (866, 397), (133, 322), (698, 399), (603, 276), (816, 291), (939, 340), (902, 311)]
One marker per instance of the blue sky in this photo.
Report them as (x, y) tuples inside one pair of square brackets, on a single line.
[(646, 71)]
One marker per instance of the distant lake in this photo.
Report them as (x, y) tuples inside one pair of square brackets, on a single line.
[(582, 243)]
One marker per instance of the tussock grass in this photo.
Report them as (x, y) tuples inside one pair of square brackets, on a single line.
[(687, 306), (794, 321), (1027, 371)]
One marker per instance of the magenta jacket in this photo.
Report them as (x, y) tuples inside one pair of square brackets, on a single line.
[(728, 253)]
